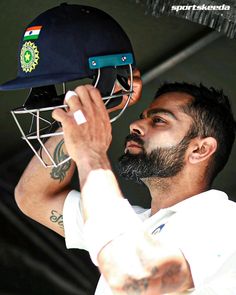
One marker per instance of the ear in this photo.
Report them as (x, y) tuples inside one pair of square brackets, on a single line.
[(202, 149)]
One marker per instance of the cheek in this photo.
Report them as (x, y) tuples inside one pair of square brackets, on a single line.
[(162, 139)]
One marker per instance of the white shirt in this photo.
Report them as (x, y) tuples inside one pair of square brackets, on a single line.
[(203, 227)]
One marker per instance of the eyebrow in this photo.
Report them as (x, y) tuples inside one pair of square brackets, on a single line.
[(159, 111)]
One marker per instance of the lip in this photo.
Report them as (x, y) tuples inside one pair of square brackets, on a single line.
[(132, 145)]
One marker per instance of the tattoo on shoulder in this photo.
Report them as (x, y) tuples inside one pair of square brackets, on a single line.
[(57, 218), (59, 173)]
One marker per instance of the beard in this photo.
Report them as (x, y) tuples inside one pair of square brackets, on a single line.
[(161, 162)]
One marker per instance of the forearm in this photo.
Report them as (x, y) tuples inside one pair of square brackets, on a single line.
[(94, 188), (134, 263), (130, 259)]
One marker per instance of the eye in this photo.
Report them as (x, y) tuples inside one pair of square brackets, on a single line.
[(141, 117), (158, 120)]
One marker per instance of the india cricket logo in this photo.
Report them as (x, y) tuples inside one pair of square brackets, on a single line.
[(29, 56)]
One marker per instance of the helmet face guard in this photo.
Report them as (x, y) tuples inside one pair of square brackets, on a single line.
[(68, 43), (41, 101)]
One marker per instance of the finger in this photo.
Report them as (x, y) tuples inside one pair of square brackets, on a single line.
[(68, 95), (101, 110), (89, 86), (83, 94), (96, 97), (137, 90), (136, 73), (85, 99), (59, 115), (79, 117), (136, 95), (137, 87), (72, 100)]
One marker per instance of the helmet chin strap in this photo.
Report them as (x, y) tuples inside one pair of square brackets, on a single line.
[(105, 82)]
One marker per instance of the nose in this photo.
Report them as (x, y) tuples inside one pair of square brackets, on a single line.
[(137, 127)]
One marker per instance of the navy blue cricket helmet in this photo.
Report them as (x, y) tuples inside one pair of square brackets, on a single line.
[(68, 43)]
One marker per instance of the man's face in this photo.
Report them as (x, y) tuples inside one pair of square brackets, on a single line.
[(157, 144)]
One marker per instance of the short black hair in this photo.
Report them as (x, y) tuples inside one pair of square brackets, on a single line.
[(212, 116)]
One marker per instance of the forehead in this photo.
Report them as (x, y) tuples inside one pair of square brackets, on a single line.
[(172, 101)]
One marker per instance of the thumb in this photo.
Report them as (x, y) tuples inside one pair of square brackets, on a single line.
[(59, 115)]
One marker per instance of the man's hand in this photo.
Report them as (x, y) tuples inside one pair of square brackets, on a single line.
[(137, 92), (91, 137)]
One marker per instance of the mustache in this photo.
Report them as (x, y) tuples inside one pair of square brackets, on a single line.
[(134, 137)]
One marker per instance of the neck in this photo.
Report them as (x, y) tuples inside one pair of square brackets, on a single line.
[(166, 192)]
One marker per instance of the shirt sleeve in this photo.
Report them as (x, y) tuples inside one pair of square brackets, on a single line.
[(74, 224), (73, 221), (206, 241)]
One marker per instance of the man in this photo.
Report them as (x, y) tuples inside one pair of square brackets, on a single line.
[(176, 148)]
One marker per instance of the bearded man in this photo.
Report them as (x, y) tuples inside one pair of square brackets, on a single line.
[(184, 243)]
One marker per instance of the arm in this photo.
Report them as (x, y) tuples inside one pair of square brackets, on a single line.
[(159, 269), (41, 191), (132, 261), (129, 258)]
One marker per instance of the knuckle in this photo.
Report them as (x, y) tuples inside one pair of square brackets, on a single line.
[(89, 86), (80, 88), (137, 72), (95, 91)]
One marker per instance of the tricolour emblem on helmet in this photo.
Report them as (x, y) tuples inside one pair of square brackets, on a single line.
[(29, 56), (32, 33)]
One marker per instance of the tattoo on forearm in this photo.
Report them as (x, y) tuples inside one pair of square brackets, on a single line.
[(137, 287), (59, 172), (57, 218), (172, 277)]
